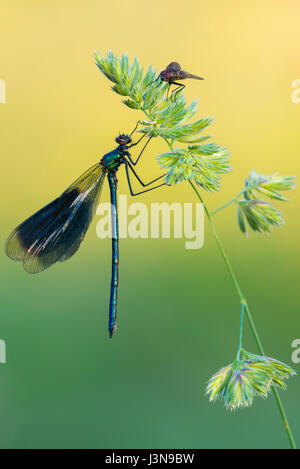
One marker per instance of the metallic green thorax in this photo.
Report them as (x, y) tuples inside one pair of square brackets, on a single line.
[(112, 160)]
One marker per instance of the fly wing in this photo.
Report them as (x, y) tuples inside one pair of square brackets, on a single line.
[(173, 67), (55, 232), (189, 75)]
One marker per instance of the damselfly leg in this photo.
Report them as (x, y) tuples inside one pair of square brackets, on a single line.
[(137, 124), (128, 167), (141, 152)]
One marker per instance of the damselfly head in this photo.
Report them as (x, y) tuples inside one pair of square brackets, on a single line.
[(123, 139)]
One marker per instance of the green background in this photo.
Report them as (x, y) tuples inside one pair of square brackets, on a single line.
[(65, 384)]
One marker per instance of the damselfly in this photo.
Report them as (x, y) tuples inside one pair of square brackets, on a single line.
[(171, 74), (56, 231)]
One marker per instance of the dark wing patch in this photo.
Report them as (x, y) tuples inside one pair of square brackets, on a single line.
[(55, 232), (23, 237), (73, 248)]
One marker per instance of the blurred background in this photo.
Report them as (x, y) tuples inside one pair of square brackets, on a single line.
[(65, 384)]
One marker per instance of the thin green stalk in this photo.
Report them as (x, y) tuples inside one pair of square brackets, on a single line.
[(249, 316), (168, 143), (243, 301), (228, 203), (241, 332), (245, 189)]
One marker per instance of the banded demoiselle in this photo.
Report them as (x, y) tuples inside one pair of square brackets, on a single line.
[(55, 232)]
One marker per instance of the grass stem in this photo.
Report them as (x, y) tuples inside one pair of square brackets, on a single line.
[(249, 316)]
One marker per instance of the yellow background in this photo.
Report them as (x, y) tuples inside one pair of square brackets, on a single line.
[(65, 384)]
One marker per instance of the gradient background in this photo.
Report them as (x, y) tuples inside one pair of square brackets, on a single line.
[(65, 384)]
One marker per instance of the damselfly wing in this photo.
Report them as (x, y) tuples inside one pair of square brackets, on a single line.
[(55, 232)]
